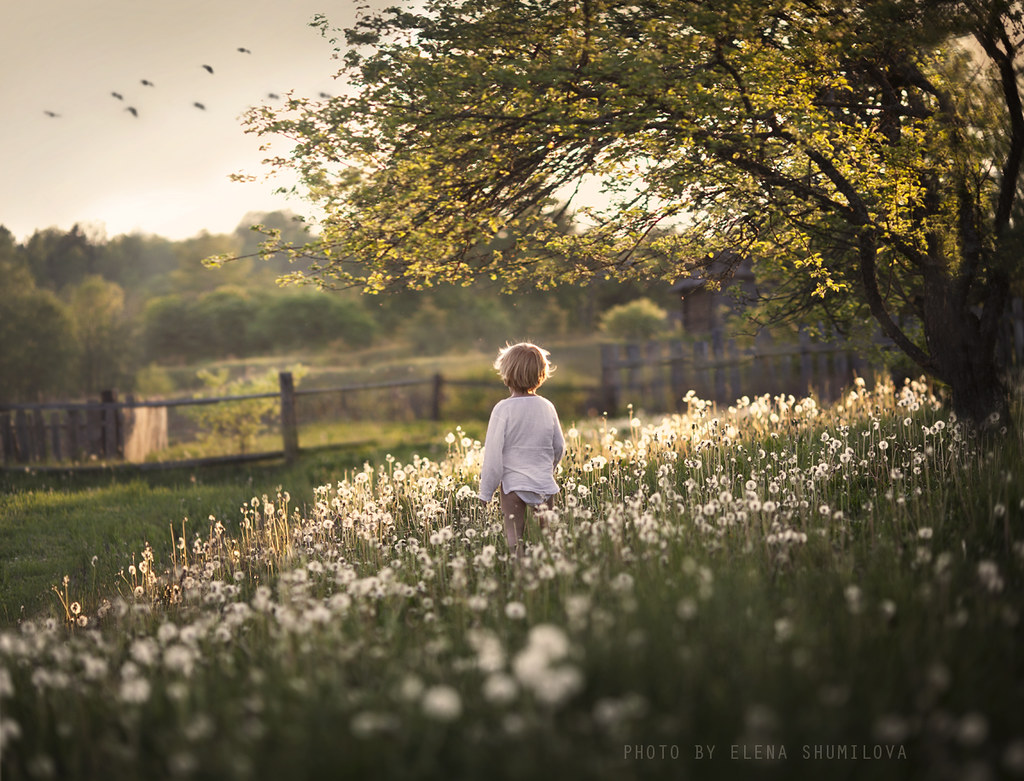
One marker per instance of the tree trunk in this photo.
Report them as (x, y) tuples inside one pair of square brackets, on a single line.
[(964, 356)]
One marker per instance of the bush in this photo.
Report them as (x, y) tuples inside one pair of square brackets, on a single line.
[(313, 319), (169, 330), (637, 320), (37, 334)]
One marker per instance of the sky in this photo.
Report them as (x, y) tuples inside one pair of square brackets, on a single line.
[(167, 170)]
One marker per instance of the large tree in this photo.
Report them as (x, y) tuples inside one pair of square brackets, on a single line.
[(866, 155)]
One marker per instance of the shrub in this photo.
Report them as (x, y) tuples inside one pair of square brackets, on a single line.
[(637, 320)]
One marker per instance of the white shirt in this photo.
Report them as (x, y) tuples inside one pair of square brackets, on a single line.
[(523, 446)]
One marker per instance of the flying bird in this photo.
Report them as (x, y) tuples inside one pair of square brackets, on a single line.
[(208, 68), (51, 114), (243, 50), (117, 95), (199, 106), (133, 111), (273, 95), (325, 95), (147, 83)]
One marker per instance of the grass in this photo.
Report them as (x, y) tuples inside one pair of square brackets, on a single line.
[(810, 588), (53, 523)]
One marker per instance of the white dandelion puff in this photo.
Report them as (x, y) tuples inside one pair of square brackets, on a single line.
[(442, 703)]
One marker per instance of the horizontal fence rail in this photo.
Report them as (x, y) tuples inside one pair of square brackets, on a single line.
[(136, 431)]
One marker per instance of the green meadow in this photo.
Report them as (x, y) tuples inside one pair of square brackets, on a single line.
[(769, 590)]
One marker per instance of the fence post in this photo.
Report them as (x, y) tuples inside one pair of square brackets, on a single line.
[(6, 437), (109, 438), (289, 421), (22, 440), (435, 402)]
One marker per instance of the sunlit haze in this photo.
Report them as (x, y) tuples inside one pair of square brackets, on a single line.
[(150, 160)]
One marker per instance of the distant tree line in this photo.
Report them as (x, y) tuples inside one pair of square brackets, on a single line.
[(82, 312)]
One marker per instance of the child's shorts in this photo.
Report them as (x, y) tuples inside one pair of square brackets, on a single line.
[(531, 498)]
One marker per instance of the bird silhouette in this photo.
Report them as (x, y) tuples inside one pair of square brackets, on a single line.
[(133, 111), (51, 113), (199, 106), (273, 95), (243, 50), (117, 95), (147, 83), (325, 95), (208, 68)]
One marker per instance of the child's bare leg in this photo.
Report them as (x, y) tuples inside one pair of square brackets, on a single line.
[(538, 513), (513, 509)]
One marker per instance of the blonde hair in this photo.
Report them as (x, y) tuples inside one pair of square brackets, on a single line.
[(523, 367)]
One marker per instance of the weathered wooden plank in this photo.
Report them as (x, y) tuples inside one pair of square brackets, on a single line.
[(806, 362), (108, 446), (22, 437), (74, 424), (38, 436), (734, 359), (677, 372), (633, 364), (56, 437), (718, 351), (610, 381), (93, 430), (7, 437)]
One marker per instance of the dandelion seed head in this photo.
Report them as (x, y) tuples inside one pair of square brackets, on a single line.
[(783, 630), (500, 688), (559, 684), (134, 690), (367, 724), (1013, 756), (442, 703), (410, 688), (972, 730), (891, 728), (852, 594), (988, 574), (686, 608)]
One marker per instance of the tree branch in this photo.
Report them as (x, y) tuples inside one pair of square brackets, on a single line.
[(868, 252), (1011, 171)]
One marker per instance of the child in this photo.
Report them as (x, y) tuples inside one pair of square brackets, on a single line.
[(524, 440)]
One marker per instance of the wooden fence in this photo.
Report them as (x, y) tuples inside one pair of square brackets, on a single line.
[(654, 376), (130, 431)]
